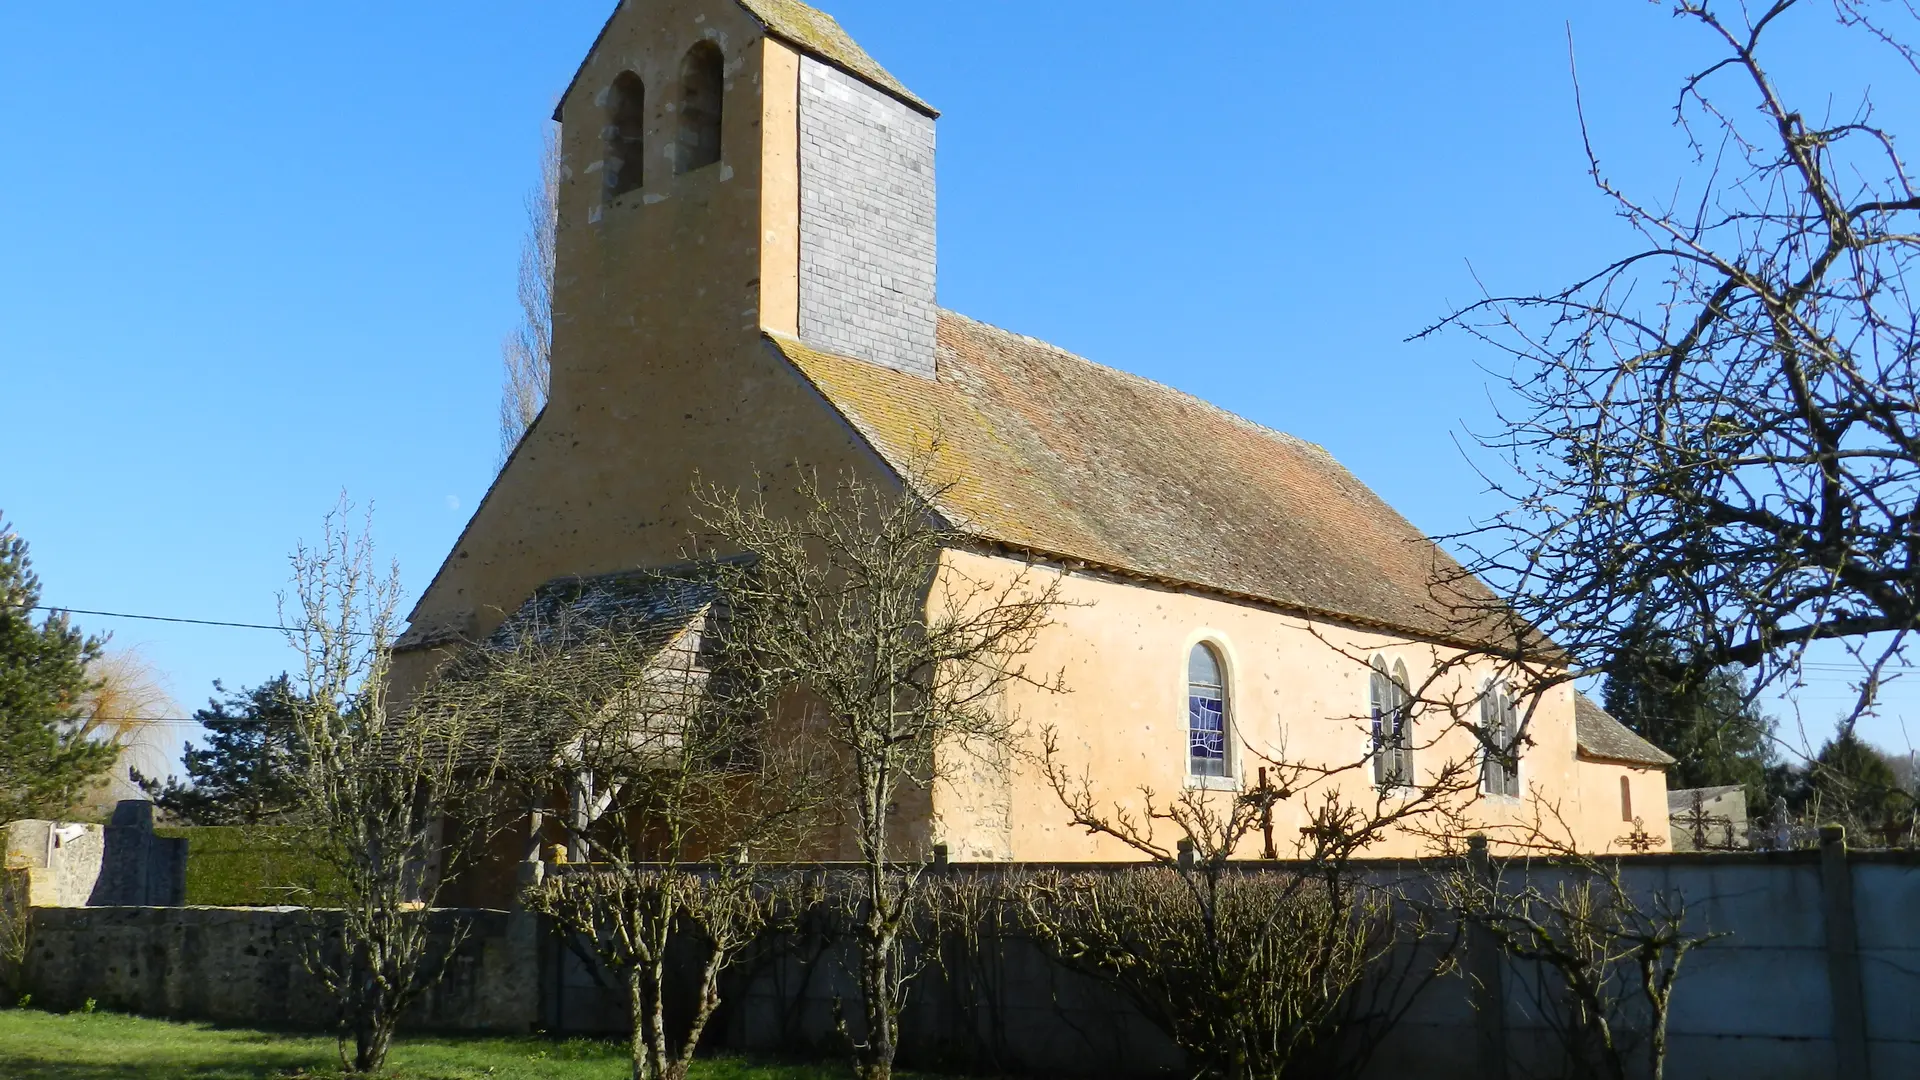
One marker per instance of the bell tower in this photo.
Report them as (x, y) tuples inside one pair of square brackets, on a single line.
[(732, 168), (734, 174)]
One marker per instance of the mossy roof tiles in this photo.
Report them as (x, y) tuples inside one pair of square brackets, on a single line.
[(1053, 454), (815, 32), (1601, 736)]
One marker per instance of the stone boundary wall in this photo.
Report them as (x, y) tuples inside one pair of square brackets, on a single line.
[(1819, 977), (244, 966), (73, 864)]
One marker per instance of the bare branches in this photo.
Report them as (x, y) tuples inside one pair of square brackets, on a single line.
[(624, 701), (1249, 976), (884, 643), (1723, 428), (1615, 953), (526, 354), (629, 913), (378, 785)]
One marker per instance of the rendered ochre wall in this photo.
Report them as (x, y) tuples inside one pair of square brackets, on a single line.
[(866, 222)]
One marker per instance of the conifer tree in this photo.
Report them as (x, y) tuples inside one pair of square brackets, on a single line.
[(47, 758), (247, 771), (1707, 722)]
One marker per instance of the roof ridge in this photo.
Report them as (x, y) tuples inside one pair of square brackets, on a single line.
[(834, 47), (1142, 379)]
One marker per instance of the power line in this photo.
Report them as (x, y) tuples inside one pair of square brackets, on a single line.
[(193, 622), (177, 720)]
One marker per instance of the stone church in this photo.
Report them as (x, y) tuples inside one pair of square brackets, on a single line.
[(745, 282)]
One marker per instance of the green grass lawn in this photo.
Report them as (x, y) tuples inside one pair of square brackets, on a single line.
[(105, 1046)]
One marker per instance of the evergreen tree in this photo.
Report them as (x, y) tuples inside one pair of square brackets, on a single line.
[(1852, 783), (47, 759), (247, 772), (1716, 735)]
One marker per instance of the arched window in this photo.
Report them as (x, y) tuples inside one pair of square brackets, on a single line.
[(702, 84), (1206, 713), (1392, 724), (626, 134), (1626, 800), (1500, 759)]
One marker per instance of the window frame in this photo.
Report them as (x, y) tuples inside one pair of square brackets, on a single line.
[(1393, 770), (1492, 692), (1229, 777)]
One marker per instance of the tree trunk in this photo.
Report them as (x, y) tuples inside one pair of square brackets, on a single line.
[(642, 1041), (877, 988), (370, 1045), (703, 1011)]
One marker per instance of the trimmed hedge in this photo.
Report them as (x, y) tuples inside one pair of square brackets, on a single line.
[(251, 866)]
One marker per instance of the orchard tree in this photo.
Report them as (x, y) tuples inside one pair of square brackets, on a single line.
[(380, 783), (1720, 428), (48, 756), (900, 660)]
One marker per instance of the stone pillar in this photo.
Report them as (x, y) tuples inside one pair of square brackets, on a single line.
[(1843, 956)]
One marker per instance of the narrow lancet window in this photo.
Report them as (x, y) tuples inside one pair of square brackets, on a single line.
[(1500, 768), (626, 134), (1206, 713), (702, 85), (1391, 710)]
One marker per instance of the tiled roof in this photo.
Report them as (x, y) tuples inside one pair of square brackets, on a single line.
[(805, 28), (1601, 736), (643, 606), (813, 31), (1054, 454), (1680, 799), (660, 618)]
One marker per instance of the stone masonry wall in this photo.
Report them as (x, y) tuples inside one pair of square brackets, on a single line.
[(244, 966), (866, 222)]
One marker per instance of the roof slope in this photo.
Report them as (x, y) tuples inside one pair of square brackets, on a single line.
[(1601, 736), (647, 608), (815, 32), (1681, 799), (1052, 453), (806, 28)]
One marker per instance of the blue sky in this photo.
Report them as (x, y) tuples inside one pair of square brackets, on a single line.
[(252, 255)]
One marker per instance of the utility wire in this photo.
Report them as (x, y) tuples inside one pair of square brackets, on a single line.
[(194, 622)]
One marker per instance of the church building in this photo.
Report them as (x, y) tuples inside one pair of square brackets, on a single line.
[(745, 284)]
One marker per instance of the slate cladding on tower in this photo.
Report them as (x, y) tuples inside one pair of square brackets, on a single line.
[(866, 222)]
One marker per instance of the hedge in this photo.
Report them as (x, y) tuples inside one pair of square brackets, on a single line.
[(251, 866)]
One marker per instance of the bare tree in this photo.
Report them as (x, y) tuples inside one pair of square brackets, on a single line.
[(379, 783), (665, 757), (1256, 972), (1722, 427), (1613, 954), (122, 708), (899, 659), (526, 354)]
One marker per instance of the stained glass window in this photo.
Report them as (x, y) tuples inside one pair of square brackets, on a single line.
[(1206, 714)]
